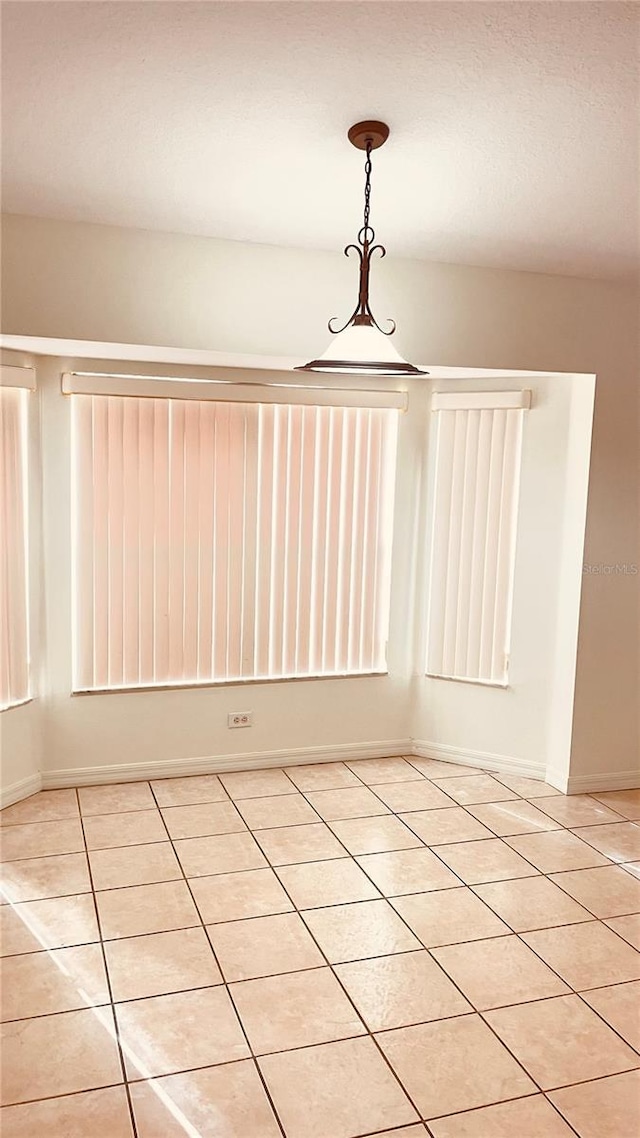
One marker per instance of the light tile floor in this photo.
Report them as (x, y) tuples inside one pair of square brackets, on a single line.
[(388, 947)]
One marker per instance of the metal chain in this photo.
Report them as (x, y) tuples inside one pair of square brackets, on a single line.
[(367, 190)]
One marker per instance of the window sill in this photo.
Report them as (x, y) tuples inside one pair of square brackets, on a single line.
[(501, 684), (19, 703), (227, 683)]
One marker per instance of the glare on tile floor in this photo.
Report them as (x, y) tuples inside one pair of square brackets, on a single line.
[(104, 1112), (578, 810), (517, 817), (229, 1099), (295, 912), (47, 806), (59, 922), (40, 839), (36, 878), (41, 983), (167, 1034)]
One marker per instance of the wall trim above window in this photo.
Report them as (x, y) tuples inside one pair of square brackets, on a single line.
[(228, 391)]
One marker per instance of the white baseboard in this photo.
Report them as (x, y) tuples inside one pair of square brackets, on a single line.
[(502, 764), (592, 783), (219, 764), (16, 791), (257, 760)]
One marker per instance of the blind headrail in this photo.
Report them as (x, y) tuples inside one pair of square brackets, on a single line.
[(228, 391), (481, 401), (12, 376)]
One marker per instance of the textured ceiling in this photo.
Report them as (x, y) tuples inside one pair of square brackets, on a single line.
[(514, 126)]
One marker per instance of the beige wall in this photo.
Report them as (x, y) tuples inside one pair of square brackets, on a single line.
[(94, 282)]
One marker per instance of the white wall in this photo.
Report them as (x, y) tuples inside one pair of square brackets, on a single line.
[(21, 728), (123, 735), (21, 751), (94, 282), (527, 724), (86, 733)]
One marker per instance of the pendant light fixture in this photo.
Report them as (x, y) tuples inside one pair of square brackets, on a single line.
[(362, 347)]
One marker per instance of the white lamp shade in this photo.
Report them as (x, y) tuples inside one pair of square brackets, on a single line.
[(362, 349)]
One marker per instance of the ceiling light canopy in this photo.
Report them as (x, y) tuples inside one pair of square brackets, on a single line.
[(361, 345)]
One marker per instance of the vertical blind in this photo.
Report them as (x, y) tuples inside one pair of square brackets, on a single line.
[(477, 474), (14, 615), (219, 541)]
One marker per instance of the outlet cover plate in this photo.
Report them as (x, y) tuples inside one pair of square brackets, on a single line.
[(240, 719)]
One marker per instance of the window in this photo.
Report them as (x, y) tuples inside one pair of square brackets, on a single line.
[(477, 474), (14, 610), (222, 539)]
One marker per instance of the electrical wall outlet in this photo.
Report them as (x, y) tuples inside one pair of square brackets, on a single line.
[(240, 719)]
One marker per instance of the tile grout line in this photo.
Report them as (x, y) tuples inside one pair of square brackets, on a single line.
[(476, 1010), (338, 964), (465, 997), (369, 1033), (108, 980), (252, 1056), (388, 812), (480, 1013), (353, 859)]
